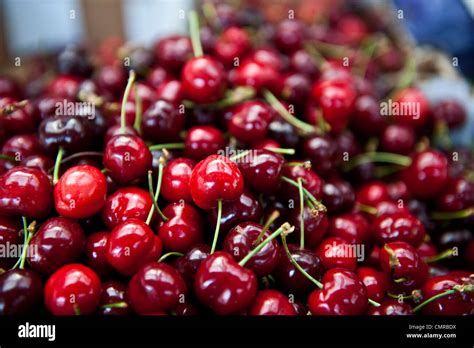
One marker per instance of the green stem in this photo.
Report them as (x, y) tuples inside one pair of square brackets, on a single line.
[(7, 158), (172, 253), (82, 154), (451, 215), (123, 119), (265, 228), (115, 305), (317, 204), (169, 146), (441, 256), (367, 209), (384, 157), (280, 150), (218, 225), (300, 189), (195, 35), (283, 229), (454, 290), (407, 77), (57, 164), (235, 96), (138, 112), (156, 194), (27, 235), (240, 155)]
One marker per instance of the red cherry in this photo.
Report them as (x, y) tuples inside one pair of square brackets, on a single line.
[(398, 138), (458, 195), (112, 80), (391, 307), (113, 292), (353, 228), (215, 178), (9, 235), (19, 121), (41, 162), (338, 196), (372, 193), (20, 291), (25, 191), (126, 203), (400, 226), (303, 63), (271, 302), (311, 181), (64, 86), (343, 294), (376, 282), (80, 192), (450, 111), (156, 287), (204, 80), (262, 171), (289, 35), (233, 43), (21, 146), (171, 91), (250, 120), (127, 158), (223, 285), (188, 264), (162, 122), (315, 225), (203, 141), (173, 51), (367, 111), (72, 289), (95, 251), (335, 252), (256, 75), (175, 181), (413, 97), (353, 28)]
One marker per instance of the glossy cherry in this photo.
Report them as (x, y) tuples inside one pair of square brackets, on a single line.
[(335, 252), (95, 251), (232, 44), (250, 121), (262, 170), (372, 193), (41, 162), (352, 227), (162, 122), (112, 79), (376, 282), (398, 138), (19, 121), (173, 51), (315, 226), (338, 196), (20, 291), (69, 132), (391, 307), (203, 141), (271, 302), (113, 293), (21, 146), (450, 111), (458, 195), (175, 182), (10, 234), (399, 226), (367, 111), (413, 96)]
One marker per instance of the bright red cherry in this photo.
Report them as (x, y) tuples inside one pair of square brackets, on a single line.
[(126, 203), (262, 170), (417, 100), (289, 35), (250, 120), (203, 141), (215, 178), (353, 228), (64, 86), (335, 252), (175, 181), (223, 285), (112, 79), (254, 74), (25, 191), (343, 294), (367, 111), (19, 121), (41, 162), (72, 289), (204, 80), (391, 307), (156, 287), (127, 158), (271, 302), (372, 193), (399, 226), (21, 146), (80, 192), (376, 282), (233, 43)]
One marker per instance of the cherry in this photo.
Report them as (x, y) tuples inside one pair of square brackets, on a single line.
[(375, 282), (303, 63), (126, 203), (127, 159), (173, 51), (215, 178), (343, 294), (188, 264), (390, 59), (458, 195), (155, 287), (9, 88), (406, 268), (254, 74), (21, 146), (367, 111), (338, 196), (41, 162), (69, 132), (19, 121), (130, 246), (372, 193), (398, 190), (450, 111), (176, 176), (183, 229), (267, 57), (72, 289), (162, 122), (412, 96), (203, 141), (224, 285), (289, 35), (80, 192), (59, 241), (291, 278), (25, 191), (232, 44), (315, 225), (243, 238), (427, 175), (352, 227), (398, 138), (296, 88), (74, 61), (262, 170), (64, 86), (391, 307), (171, 91), (113, 300), (311, 181), (9, 235), (321, 151), (112, 79), (335, 252), (95, 251), (116, 129), (157, 76), (398, 226), (271, 302), (20, 291), (250, 120)]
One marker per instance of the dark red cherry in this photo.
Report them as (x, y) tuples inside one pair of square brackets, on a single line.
[(80, 192), (95, 251), (171, 91), (72, 289), (157, 76), (250, 120), (116, 129), (127, 158), (458, 195), (291, 278), (223, 285), (175, 181), (203, 79), (146, 93), (183, 229), (289, 35), (9, 88), (335, 252), (41, 162), (343, 294), (203, 141), (20, 291), (73, 60), (391, 307), (367, 111), (130, 245), (338, 196), (376, 282), (390, 59), (69, 132), (399, 226), (172, 52), (113, 292), (271, 302), (241, 240), (405, 267), (10, 234), (352, 227), (450, 111), (19, 121), (262, 170), (398, 138), (232, 44), (311, 181), (162, 122), (398, 190), (21, 146), (454, 304), (416, 100), (372, 193), (64, 86), (112, 79), (156, 287), (427, 175), (215, 178), (58, 241), (296, 88), (315, 225), (246, 208), (25, 191), (321, 151), (303, 63), (188, 264), (126, 203)]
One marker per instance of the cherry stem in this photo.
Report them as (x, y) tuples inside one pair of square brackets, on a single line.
[(320, 207), (448, 253), (300, 189), (169, 146), (8, 109), (451, 215), (218, 225), (298, 267), (7, 158), (235, 96), (27, 235), (210, 13), (454, 290), (275, 215), (194, 33), (280, 150), (315, 54), (171, 253), (156, 195), (384, 157), (305, 164), (83, 154), (407, 76), (366, 209), (138, 112), (285, 114), (123, 119), (284, 229), (57, 165), (115, 305), (240, 155), (369, 47)]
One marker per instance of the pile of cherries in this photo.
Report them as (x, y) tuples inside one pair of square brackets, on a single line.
[(246, 169)]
